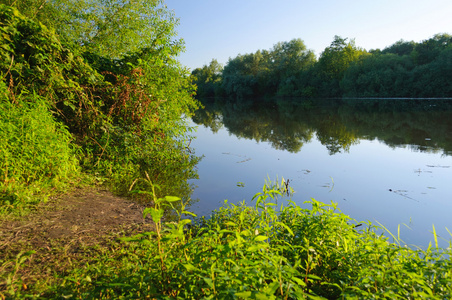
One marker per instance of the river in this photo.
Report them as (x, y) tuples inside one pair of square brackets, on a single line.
[(383, 160)]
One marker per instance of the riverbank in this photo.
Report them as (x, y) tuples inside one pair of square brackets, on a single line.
[(63, 234), (92, 245)]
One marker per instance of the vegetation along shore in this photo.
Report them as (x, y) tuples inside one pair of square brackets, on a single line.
[(95, 162)]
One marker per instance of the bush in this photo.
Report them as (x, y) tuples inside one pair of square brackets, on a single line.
[(124, 115), (37, 152)]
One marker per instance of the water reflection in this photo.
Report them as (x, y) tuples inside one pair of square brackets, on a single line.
[(420, 125)]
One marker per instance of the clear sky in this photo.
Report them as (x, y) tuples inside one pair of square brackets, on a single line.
[(222, 29)]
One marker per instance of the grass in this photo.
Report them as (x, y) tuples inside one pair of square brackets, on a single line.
[(262, 251), (37, 155)]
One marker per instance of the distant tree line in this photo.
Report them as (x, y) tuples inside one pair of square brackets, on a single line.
[(289, 69)]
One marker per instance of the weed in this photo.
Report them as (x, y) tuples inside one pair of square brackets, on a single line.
[(10, 279), (263, 252)]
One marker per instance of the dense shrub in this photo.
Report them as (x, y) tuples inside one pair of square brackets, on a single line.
[(37, 152), (124, 114)]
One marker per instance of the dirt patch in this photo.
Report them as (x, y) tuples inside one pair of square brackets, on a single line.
[(82, 214), (67, 229)]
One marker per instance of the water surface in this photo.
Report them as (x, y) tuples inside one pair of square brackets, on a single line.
[(381, 160)]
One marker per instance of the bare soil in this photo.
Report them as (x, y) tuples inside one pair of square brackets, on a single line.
[(63, 231)]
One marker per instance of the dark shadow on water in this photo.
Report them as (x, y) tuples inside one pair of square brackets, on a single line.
[(423, 125)]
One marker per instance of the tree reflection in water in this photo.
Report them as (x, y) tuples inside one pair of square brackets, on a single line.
[(423, 125)]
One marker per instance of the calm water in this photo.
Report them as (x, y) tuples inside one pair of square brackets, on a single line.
[(382, 160)]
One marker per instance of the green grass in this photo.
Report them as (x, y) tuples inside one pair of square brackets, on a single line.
[(254, 252), (37, 154)]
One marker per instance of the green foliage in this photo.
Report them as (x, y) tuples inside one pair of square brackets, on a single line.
[(12, 279), (400, 48), (37, 152), (122, 111), (36, 10), (333, 63), (143, 130), (405, 69), (428, 50), (208, 79), (35, 61), (114, 29), (385, 75), (240, 75), (261, 252), (265, 72), (336, 58)]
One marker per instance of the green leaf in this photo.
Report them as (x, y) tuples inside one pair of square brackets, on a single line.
[(189, 213), (244, 295), (255, 248), (208, 281), (230, 223), (314, 277), (299, 281), (171, 198), (272, 287), (184, 222), (260, 238), (190, 267), (286, 227), (156, 214)]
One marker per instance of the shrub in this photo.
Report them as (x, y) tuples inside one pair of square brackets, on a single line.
[(37, 152)]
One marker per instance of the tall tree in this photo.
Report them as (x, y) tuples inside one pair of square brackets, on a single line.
[(288, 60), (290, 57), (378, 75), (334, 61), (428, 50), (240, 75), (208, 79), (336, 58)]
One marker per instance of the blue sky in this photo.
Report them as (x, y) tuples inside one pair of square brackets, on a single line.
[(222, 29)]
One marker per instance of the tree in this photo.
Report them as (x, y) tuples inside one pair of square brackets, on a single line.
[(428, 50), (112, 28), (288, 60), (433, 79), (336, 58), (334, 61), (378, 75), (208, 79), (240, 75), (400, 48), (36, 10), (265, 71)]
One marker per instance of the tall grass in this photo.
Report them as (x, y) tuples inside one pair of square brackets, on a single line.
[(261, 252), (37, 153)]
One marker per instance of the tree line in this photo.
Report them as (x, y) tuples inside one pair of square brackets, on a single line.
[(289, 69)]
